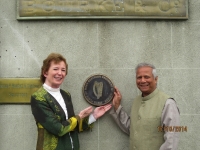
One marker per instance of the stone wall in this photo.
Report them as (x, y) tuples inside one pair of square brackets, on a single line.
[(110, 47)]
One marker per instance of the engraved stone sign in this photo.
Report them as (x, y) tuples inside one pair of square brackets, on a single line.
[(17, 90), (102, 9), (98, 90)]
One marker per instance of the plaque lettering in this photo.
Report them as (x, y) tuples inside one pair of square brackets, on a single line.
[(17, 90), (123, 9)]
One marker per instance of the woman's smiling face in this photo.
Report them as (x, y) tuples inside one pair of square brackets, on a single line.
[(56, 74)]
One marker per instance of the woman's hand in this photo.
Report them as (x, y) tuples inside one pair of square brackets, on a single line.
[(100, 111), (85, 112)]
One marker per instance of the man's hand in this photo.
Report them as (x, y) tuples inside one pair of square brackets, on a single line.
[(116, 99), (86, 112), (100, 111)]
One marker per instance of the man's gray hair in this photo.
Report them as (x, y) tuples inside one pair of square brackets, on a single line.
[(144, 64)]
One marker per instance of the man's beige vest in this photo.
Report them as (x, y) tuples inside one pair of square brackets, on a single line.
[(145, 119)]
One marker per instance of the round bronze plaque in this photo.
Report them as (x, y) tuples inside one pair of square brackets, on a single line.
[(98, 90)]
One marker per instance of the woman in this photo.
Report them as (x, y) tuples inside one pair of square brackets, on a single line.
[(53, 111)]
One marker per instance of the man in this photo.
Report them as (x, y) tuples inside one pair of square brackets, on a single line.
[(154, 115)]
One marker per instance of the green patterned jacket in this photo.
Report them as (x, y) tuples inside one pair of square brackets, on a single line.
[(54, 130)]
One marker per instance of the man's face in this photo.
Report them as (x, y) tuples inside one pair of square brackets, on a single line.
[(145, 80)]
